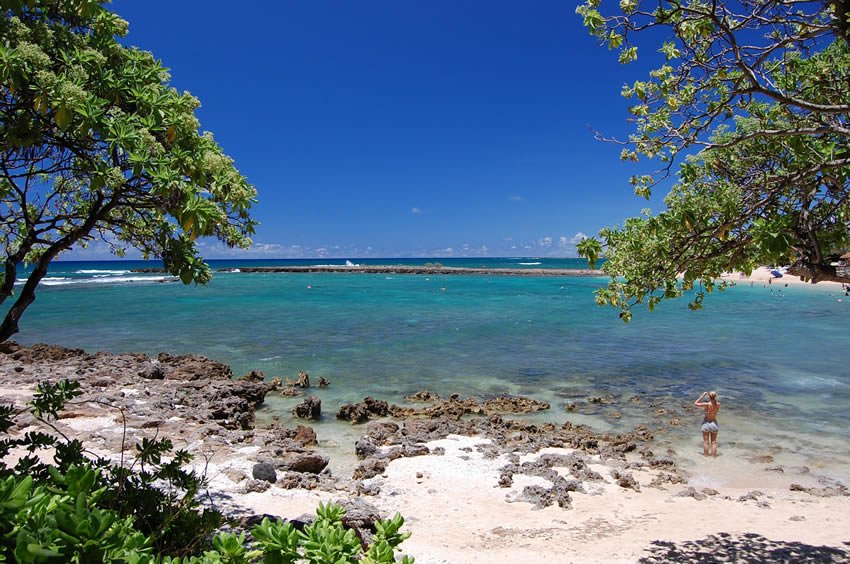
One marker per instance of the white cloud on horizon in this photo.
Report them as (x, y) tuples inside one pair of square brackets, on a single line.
[(544, 246)]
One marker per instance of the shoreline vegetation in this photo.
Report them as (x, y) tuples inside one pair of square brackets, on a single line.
[(470, 479), (401, 269)]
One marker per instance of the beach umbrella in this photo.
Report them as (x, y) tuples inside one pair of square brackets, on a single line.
[(776, 273)]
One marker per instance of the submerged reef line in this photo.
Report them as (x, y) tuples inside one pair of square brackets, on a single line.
[(404, 269)]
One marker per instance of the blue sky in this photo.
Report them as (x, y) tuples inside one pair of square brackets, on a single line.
[(387, 128)]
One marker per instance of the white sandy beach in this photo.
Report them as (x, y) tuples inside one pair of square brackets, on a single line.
[(457, 513), (762, 275)]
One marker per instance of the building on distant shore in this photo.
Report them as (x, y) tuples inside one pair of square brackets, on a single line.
[(843, 267)]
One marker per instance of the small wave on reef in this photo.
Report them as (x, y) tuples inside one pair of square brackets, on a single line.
[(102, 279), (103, 272)]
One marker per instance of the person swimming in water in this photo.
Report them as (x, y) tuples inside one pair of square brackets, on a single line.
[(709, 422)]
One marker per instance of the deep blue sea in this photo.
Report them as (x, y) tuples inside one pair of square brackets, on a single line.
[(778, 356)]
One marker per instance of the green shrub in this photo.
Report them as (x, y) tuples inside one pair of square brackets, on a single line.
[(91, 511)]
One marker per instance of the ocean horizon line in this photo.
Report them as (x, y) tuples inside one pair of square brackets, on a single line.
[(341, 258)]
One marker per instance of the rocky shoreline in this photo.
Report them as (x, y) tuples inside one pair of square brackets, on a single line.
[(198, 404)]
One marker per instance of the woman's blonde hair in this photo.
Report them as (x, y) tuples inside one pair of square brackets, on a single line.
[(712, 395)]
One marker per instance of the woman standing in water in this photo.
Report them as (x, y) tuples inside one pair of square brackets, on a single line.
[(709, 422)]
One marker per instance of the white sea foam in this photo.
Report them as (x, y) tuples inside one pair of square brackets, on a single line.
[(530, 263), (103, 272), (62, 281), (47, 281)]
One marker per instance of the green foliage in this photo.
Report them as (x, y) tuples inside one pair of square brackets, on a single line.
[(61, 521), (158, 499), (279, 541), (387, 539), (590, 249), (79, 510), (94, 144), (49, 398), (759, 90), (327, 540)]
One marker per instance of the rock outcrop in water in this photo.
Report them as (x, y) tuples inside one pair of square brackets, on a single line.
[(310, 408), (362, 411)]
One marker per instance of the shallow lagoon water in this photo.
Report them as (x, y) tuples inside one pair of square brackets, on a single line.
[(777, 356)]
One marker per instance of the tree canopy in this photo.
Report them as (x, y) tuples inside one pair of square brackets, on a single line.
[(751, 103), (94, 144)]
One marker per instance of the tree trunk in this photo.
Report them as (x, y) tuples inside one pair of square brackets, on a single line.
[(842, 12), (11, 268), (26, 295), (817, 273)]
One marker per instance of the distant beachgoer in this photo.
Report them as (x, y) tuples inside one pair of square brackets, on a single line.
[(709, 422)]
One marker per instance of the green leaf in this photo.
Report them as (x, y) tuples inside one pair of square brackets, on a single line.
[(38, 550), (63, 118)]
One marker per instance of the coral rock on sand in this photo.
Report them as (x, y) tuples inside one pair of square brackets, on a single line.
[(838, 491), (264, 471), (310, 462)]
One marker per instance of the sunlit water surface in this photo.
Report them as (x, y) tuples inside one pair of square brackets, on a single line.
[(778, 356)]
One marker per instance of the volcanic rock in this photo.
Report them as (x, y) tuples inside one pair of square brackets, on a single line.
[(264, 471), (310, 408)]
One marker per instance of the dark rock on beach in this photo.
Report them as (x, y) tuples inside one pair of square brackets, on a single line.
[(256, 486), (625, 480), (310, 462), (365, 447), (264, 471), (837, 491), (310, 408), (359, 514), (370, 468), (692, 492)]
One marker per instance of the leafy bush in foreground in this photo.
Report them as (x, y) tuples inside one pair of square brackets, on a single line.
[(83, 510)]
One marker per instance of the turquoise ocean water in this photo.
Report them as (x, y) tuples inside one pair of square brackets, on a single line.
[(778, 356)]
